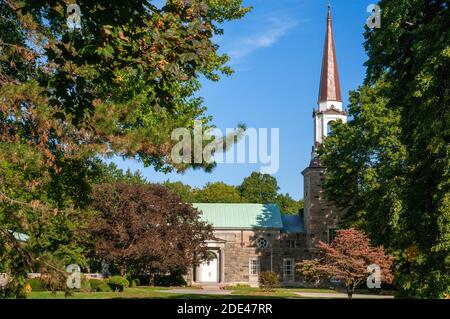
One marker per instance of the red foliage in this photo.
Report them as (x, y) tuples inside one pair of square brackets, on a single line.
[(346, 259), (145, 228)]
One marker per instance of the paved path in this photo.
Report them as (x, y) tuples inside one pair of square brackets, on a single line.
[(199, 291), (330, 295), (340, 295)]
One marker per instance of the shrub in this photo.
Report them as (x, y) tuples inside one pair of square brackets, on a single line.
[(268, 280), (134, 282), (54, 281), (170, 280), (118, 283), (145, 280), (95, 283), (36, 284), (104, 287), (99, 285), (242, 286), (85, 285)]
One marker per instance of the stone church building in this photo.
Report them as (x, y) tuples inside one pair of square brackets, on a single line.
[(250, 238)]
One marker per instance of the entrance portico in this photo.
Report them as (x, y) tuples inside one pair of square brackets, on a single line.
[(212, 271)]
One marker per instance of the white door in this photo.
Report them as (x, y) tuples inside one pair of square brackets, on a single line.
[(208, 271)]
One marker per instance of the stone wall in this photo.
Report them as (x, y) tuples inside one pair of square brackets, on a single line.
[(320, 214), (239, 247)]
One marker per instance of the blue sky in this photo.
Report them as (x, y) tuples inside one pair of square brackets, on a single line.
[(276, 52)]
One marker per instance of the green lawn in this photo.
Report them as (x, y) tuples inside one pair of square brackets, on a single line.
[(158, 292)]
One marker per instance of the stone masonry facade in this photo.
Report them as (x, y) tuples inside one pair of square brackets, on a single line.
[(237, 248), (321, 217)]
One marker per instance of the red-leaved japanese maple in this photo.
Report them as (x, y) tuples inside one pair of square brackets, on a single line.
[(346, 259)]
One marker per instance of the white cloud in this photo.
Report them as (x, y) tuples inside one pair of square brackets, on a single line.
[(274, 31)]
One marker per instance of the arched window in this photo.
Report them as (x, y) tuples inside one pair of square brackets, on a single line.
[(329, 128)]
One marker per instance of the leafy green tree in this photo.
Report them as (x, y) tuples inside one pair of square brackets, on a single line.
[(218, 192), (16, 62), (120, 84), (110, 173), (117, 86), (259, 188), (413, 49), (365, 165), (288, 205), (185, 192), (390, 165), (35, 221)]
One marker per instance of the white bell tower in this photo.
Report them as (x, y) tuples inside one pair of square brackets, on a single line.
[(330, 99), (320, 215)]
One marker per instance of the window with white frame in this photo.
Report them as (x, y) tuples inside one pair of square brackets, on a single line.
[(288, 268), (254, 266)]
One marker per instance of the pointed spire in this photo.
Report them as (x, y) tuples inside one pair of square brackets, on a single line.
[(330, 87)]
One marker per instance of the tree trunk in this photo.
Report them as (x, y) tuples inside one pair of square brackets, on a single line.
[(350, 290), (151, 279)]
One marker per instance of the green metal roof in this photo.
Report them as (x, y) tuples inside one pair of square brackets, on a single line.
[(241, 216)]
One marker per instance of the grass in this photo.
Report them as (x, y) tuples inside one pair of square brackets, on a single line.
[(160, 292), (276, 293), (252, 289)]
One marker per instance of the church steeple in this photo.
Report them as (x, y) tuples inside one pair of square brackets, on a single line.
[(330, 87), (320, 216), (330, 98)]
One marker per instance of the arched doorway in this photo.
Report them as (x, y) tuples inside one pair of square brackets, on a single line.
[(209, 270)]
